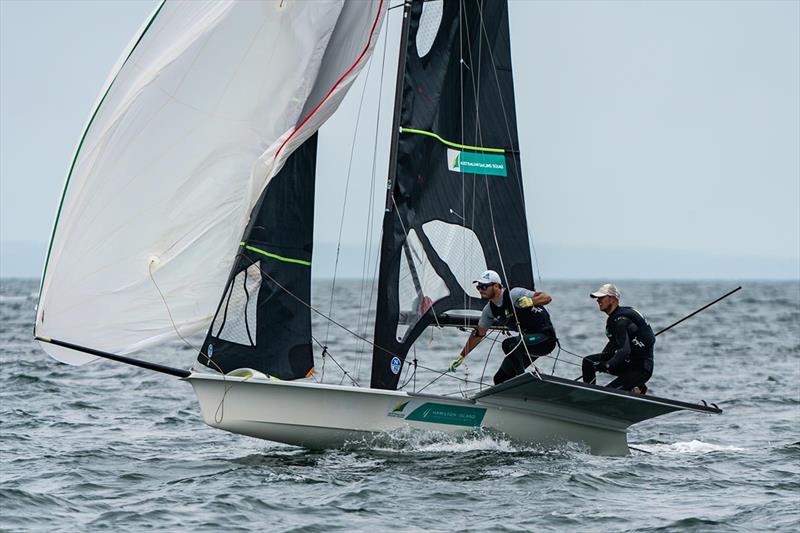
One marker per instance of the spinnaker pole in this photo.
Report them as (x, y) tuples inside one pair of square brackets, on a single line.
[(701, 309), (177, 372)]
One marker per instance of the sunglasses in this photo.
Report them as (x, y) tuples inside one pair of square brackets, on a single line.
[(483, 286)]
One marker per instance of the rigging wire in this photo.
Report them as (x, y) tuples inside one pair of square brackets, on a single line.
[(486, 179), (351, 332), (463, 185), (344, 203), (413, 373), (482, 31), (364, 305), (489, 353), (415, 364), (464, 224), (321, 314), (344, 372)]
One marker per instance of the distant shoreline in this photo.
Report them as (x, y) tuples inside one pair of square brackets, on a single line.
[(551, 262)]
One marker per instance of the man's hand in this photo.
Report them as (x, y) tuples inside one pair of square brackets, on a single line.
[(525, 302), (455, 363)]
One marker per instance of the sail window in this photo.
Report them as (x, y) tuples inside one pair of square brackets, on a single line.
[(429, 24), (236, 321), (419, 286), (460, 248)]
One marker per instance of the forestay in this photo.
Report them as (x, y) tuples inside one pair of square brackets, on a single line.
[(455, 202), (200, 113)]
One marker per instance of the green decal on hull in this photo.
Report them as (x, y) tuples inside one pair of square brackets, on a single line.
[(456, 415)]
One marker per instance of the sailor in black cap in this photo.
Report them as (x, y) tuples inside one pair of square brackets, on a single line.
[(518, 309), (629, 351)]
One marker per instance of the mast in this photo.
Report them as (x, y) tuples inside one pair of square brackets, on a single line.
[(388, 220), (398, 103)]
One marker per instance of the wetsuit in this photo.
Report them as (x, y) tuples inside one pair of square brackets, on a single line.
[(538, 334), (629, 352)]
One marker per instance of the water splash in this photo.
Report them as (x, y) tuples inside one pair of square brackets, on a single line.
[(693, 447), (415, 440)]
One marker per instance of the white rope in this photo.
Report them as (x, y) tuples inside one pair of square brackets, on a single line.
[(219, 413), (172, 320)]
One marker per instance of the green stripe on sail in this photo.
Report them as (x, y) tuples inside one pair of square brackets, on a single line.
[(80, 145), (452, 144), (275, 256)]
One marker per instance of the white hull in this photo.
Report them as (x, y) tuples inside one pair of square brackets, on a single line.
[(328, 416)]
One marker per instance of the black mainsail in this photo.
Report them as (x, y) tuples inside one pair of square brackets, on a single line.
[(263, 321), (454, 203)]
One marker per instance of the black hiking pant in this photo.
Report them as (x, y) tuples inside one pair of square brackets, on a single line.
[(517, 358), (629, 375)]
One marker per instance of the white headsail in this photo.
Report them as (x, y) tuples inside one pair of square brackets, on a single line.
[(200, 112)]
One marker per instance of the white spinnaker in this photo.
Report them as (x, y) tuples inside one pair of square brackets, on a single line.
[(183, 141)]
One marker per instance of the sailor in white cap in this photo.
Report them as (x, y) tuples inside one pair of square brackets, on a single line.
[(517, 309), (629, 351)]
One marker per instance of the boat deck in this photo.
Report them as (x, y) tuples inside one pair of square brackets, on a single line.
[(592, 400)]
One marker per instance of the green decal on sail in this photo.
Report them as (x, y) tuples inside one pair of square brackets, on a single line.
[(475, 163), (275, 256), (452, 144), (456, 415)]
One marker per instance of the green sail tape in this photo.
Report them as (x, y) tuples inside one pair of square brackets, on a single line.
[(452, 144), (80, 145), (454, 415), (275, 256)]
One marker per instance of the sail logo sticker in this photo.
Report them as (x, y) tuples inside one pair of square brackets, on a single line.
[(397, 412), (395, 365), (476, 163), (453, 160)]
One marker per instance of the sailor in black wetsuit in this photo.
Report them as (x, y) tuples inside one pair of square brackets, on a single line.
[(509, 308), (629, 352)]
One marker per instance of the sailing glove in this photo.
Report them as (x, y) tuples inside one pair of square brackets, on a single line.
[(525, 302), (455, 363)]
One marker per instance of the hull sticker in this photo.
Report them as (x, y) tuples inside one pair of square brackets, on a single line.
[(440, 413)]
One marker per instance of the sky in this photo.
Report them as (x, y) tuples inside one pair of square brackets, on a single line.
[(658, 139)]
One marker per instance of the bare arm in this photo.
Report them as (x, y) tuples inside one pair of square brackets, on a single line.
[(474, 339), (524, 298), (541, 298)]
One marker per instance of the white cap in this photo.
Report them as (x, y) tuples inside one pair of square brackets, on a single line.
[(490, 276), (608, 289)]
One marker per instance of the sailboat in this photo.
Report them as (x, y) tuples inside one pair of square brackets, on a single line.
[(189, 206)]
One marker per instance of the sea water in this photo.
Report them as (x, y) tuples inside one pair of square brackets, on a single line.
[(112, 447)]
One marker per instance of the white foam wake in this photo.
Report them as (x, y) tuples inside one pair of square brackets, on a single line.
[(415, 440), (693, 447)]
